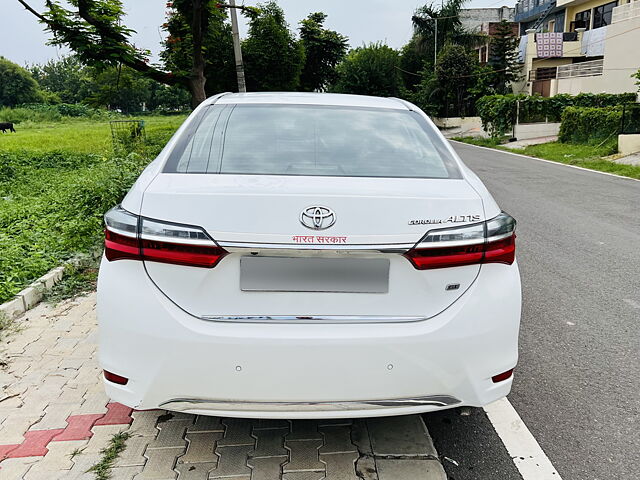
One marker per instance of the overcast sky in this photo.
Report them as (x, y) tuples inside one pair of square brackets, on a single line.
[(22, 39)]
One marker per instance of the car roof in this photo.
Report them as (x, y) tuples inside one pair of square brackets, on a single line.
[(302, 98)]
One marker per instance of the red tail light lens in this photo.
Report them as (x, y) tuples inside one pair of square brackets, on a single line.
[(487, 242), (128, 236), (501, 377), (113, 378)]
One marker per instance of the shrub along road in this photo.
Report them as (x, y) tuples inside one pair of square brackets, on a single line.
[(576, 386)]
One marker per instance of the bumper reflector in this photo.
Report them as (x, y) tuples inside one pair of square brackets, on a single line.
[(501, 377), (113, 378)]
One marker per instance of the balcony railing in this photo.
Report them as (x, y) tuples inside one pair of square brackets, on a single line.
[(626, 12), (583, 69), (545, 73), (526, 9)]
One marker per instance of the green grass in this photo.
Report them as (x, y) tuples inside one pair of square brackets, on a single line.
[(79, 278), (117, 444), (56, 182), (586, 156)]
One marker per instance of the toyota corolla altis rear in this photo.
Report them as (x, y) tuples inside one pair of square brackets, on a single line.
[(304, 256)]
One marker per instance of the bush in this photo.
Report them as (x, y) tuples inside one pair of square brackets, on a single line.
[(499, 112), (589, 124), (40, 112)]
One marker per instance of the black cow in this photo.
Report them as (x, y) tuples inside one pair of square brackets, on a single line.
[(7, 126)]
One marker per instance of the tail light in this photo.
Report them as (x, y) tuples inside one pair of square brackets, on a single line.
[(128, 236), (493, 241)]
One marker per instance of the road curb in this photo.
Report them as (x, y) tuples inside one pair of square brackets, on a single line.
[(32, 295)]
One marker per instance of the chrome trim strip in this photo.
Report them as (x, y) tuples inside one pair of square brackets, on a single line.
[(178, 241), (462, 243), (383, 248), (313, 319), (187, 404)]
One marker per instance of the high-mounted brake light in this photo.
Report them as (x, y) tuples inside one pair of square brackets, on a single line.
[(128, 236), (492, 241)]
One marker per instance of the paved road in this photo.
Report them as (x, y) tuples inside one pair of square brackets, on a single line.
[(578, 381)]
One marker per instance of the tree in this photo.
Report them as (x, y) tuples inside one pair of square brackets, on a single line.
[(455, 74), (273, 57), (93, 29), (16, 85), (66, 78), (370, 70), (119, 88), (637, 76), (504, 58), (324, 49), (217, 44)]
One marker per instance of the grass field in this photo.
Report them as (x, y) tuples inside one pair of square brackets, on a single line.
[(56, 182), (586, 156)]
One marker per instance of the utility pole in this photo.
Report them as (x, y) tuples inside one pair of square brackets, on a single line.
[(237, 49)]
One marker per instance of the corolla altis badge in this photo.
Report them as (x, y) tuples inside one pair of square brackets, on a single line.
[(453, 219), (317, 217)]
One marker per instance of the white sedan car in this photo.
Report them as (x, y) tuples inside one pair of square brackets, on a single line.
[(295, 255)]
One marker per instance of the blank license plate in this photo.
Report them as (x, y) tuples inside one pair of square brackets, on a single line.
[(282, 274)]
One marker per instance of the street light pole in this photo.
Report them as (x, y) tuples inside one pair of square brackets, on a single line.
[(237, 49)]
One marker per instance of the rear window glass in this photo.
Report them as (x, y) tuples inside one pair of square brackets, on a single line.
[(312, 140)]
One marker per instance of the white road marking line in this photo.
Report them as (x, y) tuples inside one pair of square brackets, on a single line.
[(528, 457), (547, 161)]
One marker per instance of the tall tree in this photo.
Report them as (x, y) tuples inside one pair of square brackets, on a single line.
[(504, 57), (370, 70), (119, 88), (324, 49), (93, 29), (67, 78), (16, 85), (273, 57), (456, 75)]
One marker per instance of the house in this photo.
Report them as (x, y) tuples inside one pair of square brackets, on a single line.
[(485, 20), (575, 46)]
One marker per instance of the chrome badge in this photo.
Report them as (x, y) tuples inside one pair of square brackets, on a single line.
[(317, 218)]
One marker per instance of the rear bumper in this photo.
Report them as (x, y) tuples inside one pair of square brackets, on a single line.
[(179, 362)]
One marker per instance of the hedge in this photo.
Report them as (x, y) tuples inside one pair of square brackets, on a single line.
[(498, 112), (589, 125)]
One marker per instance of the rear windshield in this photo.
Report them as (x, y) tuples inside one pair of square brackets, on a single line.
[(312, 140)]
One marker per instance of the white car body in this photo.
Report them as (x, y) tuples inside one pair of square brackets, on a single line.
[(208, 341)]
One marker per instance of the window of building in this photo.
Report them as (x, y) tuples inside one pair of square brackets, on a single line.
[(582, 20), (602, 14)]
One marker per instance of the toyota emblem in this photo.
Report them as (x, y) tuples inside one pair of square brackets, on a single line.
[(317, 218)]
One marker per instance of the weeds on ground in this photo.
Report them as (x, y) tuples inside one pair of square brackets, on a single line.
[(480, 141), (117, 444), (80, 277)]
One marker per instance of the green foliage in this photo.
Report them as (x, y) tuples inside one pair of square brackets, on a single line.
[(39, 113), (119, 88), (324, 49), (16, 85), (637, 77), (504, 58), (455, 75), (498, 112), (79, 277), (589, 124), (273, 56), (56, 182), (117, 444), (67, 78), (177, 55), (370, 70)]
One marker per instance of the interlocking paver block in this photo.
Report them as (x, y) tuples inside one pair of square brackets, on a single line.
[(6, 449), (14, 468), (304, 430), (341, 466), (270, 443), (237, 432), (58, 458), (117, 414), (144, 422), (78, 428), (266, 423), (133, 455), (13, 428), (195, 471), (205, 423), (101, 437), (93, 403), (124, 473), (366, 468), (266, 468), (232, 461), (201, 448), (337, 439), (304, 476), (303, 455), (35, 444), (171, 435), (394, 469), (160, 464), (400, 436), (81, 463)]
